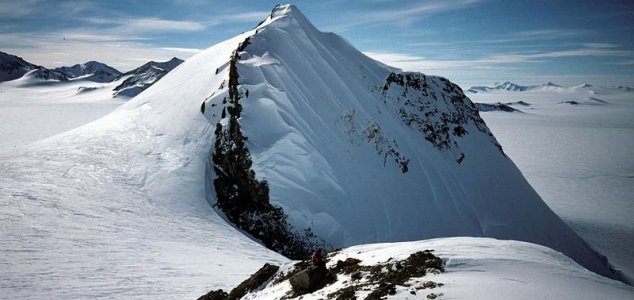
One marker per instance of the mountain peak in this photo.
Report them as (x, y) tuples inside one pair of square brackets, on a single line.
[(284, 9), (284, 15)]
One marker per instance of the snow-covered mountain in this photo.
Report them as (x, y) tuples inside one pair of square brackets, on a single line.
[(13, 67), (144, 76), (92, 70), (359, 152), (344, 145), (511, 87)]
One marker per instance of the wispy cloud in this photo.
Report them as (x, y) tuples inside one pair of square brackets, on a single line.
[(593, 51), (402, 15), (418, 63), (146, 25), (14, 9), (417, 11), (184, 50), (625, 63)]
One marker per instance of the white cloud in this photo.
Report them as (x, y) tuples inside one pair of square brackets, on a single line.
[(185, 50), (144, 25)]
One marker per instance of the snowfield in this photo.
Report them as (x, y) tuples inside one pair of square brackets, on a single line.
[(120, 207), (32, 109), (577, 157)]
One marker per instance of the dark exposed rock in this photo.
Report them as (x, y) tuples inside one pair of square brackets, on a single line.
[(215, 295), (435, 107), (240, 195), (310, 280), (256, 280), (495, 107), (260, 277)]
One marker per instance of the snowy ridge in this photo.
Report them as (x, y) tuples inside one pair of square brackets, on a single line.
[(331, 148), (508, 270)]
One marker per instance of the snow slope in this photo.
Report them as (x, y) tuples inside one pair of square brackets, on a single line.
[(330, 130), (475, 268), (577, 157)]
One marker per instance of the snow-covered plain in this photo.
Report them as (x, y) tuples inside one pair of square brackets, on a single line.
[(118, 208), (577, 156), (32, 109)]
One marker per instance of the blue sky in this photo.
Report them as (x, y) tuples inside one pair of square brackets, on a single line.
[(467, 41)]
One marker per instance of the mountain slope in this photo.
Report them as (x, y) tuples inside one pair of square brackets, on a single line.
[(98, 72)]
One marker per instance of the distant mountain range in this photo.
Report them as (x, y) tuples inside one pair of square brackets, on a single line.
[(144, 76), (510, 86), (92, 70), (13, 67), (129, 84)]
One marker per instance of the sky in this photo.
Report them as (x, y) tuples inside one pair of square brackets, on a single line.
[(468, 41)]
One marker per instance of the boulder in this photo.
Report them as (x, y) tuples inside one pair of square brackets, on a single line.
[(310, 280)]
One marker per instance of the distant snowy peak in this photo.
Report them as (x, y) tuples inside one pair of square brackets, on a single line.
[(161, 66), (13, 67), (92, 70), (144, 76)]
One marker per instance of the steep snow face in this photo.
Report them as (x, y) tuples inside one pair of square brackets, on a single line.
[(361, 152), (92, 71)]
